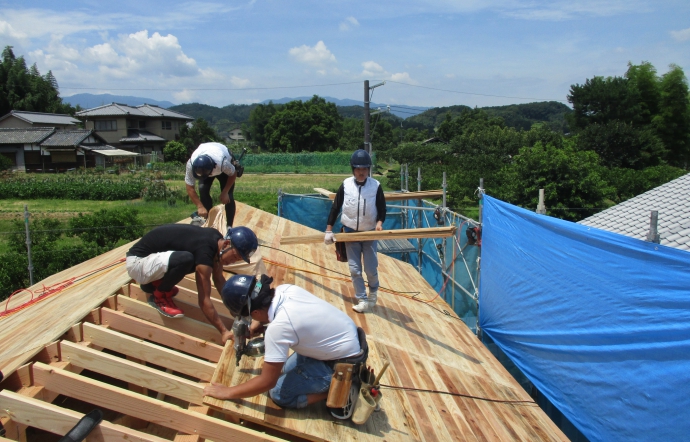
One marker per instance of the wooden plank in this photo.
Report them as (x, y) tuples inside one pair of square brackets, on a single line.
[(188, 302), (57, 420), (152, 410), (393, 196), (132, 372), (145, 351), (161, 335), (184, 325), (427, 232)]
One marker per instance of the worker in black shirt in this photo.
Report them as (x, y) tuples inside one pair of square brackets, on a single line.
[(167, 253), (364, 208)]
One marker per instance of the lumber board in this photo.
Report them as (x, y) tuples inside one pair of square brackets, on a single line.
[(157, 333), (393, 196), (144, 407), (188, 326), (57, 420), (427, 232), (140, 349), (131, 372)]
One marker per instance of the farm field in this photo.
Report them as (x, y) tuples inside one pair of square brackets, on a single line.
[(257, 190)]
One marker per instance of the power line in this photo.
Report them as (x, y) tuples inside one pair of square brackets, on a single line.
[(473, 93), (210, 89)]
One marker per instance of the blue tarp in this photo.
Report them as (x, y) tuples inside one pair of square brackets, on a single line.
[(598, 322)]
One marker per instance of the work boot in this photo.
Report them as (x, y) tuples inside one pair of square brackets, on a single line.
[(163, 302), (362, 307)]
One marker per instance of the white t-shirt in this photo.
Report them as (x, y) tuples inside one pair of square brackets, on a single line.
[(309, 325), (218, 153)]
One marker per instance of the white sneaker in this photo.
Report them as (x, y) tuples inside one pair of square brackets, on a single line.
[(362, 307)]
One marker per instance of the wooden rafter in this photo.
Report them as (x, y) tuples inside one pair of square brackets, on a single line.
[(427, 232), (393, 196), (145, 351), (48, 417), (160, 334), (144, 407)]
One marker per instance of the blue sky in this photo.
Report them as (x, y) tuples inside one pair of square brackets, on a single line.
[(430, 52)]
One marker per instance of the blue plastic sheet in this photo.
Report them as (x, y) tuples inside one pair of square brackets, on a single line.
[(598, 322)]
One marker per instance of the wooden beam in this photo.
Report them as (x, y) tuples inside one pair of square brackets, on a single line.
[(155, 354), (129, 371), (161, 413), (185, 325), (188, 301), (393, 196), (161, 335), (428, 232), (48, 417)]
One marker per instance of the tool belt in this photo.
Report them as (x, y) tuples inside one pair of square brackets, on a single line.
[(343, 371)]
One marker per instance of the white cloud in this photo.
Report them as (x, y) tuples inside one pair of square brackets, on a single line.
[(568, 9), (403, 77), (373, 69), (239, 82), (318, 56), (7, 30), (185, 96), (682, 35), (350, 21)]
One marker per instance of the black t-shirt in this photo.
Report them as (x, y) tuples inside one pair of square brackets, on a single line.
[(202, 242)]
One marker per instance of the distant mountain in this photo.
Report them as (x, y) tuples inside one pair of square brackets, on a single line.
[(399, 110), (519, 116), (88, 101)]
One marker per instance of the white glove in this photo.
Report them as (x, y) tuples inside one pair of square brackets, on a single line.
[(329, 238)]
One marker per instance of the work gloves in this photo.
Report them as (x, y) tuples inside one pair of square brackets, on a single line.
[(329, 238)]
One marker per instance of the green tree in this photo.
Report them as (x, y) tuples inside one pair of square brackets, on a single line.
[(643, 78), (258, 119), (469, 121), (23, 88), (312, 126), (601, 100), (673, 120), (620, 144), (106, 227), (200, 132), (573, 183), (627, 183), (175, 151)]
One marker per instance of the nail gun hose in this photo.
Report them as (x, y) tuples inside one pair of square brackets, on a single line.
[(85, 425), (479, 398)]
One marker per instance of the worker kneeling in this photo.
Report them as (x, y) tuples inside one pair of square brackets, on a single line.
[(320, 335)]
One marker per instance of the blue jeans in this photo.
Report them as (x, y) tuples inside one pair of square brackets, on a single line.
[(301, 376), (356, 252)]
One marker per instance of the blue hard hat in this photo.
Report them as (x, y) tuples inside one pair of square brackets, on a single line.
[(202, 167), (238, 292), (360, 158), (243, 240)]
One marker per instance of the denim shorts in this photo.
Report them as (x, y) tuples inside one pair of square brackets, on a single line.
[(301, 376)]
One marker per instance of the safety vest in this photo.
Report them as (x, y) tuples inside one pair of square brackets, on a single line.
[(359, 205)]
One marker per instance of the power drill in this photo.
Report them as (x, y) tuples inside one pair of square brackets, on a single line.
[(197, 220), (240, 328)]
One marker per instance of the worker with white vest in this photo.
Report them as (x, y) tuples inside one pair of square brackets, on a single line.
[(363, 209), (208, 162)]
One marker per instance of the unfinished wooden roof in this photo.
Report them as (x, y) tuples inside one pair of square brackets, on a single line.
[(96, 343)]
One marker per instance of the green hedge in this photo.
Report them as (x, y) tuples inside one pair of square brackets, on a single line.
[(324, 162), (84, 187)]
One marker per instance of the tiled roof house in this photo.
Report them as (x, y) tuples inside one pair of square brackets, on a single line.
[(142, 129), (632, 217)]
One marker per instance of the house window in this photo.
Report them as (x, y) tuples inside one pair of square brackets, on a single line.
[(142, 124), (166, 125), (106, 125)]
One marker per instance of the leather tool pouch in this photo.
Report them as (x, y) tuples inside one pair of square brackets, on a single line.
[(341, 382)]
